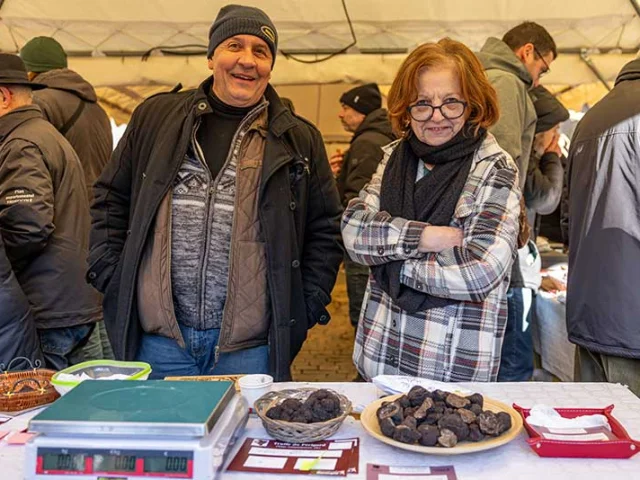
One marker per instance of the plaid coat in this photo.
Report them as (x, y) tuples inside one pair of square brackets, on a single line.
[(460, 342)]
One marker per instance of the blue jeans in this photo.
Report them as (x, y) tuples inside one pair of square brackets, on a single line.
[(168, 359), (357, 279), (516, 362), (63, 347)]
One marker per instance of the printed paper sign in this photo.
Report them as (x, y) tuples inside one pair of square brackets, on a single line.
[(330, 457), (385, 472)]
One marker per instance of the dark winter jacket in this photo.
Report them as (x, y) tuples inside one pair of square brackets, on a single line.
[(44, 219), (603, 305), (543, 188), (299, 212), (90, 135), (18, 336), (364, 154)]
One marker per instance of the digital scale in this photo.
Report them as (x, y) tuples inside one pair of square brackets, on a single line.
[(136, 430)]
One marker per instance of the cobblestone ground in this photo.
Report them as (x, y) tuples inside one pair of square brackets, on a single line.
[(326, 355)]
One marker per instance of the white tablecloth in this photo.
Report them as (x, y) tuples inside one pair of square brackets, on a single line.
[(550, 337), (514, 461)]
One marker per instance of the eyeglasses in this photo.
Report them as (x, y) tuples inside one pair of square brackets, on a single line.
[(422, 111), (546, 65)]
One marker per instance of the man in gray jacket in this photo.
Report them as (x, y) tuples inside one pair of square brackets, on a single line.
[(44, 219), (514, 65), (603, 305), (70, 103)]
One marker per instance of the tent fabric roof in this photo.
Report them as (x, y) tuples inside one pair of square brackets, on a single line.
[(107, 37)]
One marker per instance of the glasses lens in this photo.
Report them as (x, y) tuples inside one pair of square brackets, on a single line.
[(421, 112), (452, 110)]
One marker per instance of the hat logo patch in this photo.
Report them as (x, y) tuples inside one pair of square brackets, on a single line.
[(355, 100), (269, 33)]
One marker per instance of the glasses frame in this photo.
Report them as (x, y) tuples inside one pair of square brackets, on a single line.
[(434, 108), (548, 68)]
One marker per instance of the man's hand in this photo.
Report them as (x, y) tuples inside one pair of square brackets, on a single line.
[(435, 239), (550, 284), (336, 162), (553, 146)]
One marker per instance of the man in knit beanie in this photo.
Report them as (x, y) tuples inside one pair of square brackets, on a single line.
[(215, 230), (71, 105), (361, 113)]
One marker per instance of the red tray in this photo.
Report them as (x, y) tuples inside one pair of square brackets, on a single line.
[(622, 447)]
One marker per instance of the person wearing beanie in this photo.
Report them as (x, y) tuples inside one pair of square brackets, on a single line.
[(44, 224), (71, 105), (216, 225), (542, 193), (361, 113)]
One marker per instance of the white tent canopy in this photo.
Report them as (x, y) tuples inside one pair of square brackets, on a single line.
[(106, 38)]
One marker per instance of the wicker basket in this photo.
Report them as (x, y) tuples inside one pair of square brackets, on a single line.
[(26, 389), (294, 432)]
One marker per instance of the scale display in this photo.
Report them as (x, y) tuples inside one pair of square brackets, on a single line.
[(171, 464)]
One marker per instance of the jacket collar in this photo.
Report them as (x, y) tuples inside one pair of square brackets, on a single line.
[(280, 117), (17, 117)]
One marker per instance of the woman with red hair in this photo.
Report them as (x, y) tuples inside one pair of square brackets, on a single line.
[(438, 225)]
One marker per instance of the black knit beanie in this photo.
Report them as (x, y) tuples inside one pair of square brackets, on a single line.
[(240, 20), (549, 110), (364, 99)]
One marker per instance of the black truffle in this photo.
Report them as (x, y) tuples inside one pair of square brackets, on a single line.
[(489, 424), (456, 401), (387, 427), (428, 435), (454, 423), (439, 395), (467, 416), (393, 411), (477, 399), (447, 438), (291, 404), (417, 395), (476, 409), (404, 401), (504, 422), (475, 435), (421, 412), (406, 434)]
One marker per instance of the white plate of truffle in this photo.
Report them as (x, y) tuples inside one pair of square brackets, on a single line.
[(441, 423)]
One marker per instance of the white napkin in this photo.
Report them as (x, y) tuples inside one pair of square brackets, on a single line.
[(544, 416), (393, 384)]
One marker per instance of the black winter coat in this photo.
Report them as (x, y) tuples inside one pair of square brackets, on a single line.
[(299, 213), (18, 336), (364, 154), (603, 304)]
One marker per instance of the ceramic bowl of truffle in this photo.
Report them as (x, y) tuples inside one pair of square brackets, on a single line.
[(302, 415), (441, 423)]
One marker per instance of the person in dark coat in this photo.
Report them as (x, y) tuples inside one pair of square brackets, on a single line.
[(44, 219), (543, 188), (603, 305), (215, 235), (18, 335), (361, 113), (70, 103)]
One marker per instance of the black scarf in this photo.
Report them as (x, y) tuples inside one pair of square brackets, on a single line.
[(431, 200)]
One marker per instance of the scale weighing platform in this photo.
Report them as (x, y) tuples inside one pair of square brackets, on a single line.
[(136, 430)]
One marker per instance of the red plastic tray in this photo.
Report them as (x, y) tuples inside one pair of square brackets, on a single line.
[(622, 447)]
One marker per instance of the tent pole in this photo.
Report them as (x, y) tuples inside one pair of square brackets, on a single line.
[(635, 6), (584, 56)]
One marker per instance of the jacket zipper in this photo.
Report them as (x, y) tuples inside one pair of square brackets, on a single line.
[(205, 253)]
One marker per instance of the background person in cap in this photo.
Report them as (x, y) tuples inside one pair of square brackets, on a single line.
[(70, 103), (44, 219), (215, 231), (542, 193), (361, 113)]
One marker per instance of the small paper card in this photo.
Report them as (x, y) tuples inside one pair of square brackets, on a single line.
[(330, 457), (587, 434), (385, 472), (19, 438)]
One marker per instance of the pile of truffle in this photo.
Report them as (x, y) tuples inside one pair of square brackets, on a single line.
[(439, 419), (320, 406)]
